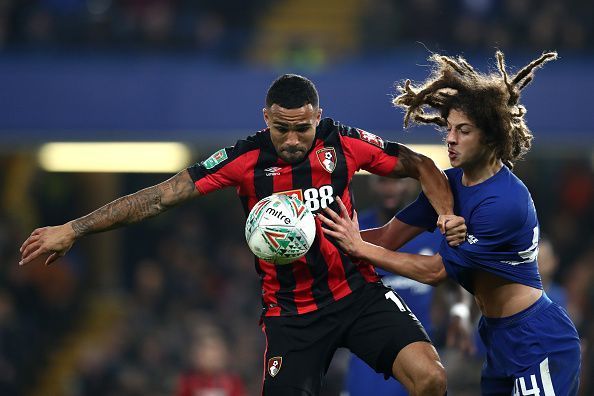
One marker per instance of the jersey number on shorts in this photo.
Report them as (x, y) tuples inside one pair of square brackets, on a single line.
[(399, 303), (545, 377)]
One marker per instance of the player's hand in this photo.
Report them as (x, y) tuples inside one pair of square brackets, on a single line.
[(342, 228), (453, 227), (53, 242)]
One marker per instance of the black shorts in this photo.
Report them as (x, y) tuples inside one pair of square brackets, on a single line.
[(373, 322)]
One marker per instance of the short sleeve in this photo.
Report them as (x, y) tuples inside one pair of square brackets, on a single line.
[(370, 152), (419, 213), (225, 167)]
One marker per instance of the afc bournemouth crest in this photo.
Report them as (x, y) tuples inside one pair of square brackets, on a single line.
[(274, 365), (327, 157)]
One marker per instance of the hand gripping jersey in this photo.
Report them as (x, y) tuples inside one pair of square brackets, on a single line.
[(502, 229), (325, 274)]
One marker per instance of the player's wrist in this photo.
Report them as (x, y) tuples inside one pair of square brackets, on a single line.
[(73, 231), (361, 250)]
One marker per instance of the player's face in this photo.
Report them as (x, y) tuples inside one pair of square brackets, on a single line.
[(465, 141), (292, 130)]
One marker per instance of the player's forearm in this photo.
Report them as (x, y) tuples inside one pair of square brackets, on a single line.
[(374, 236), (436, 187), (125, 210), (141, 205), (424, 269), (392, 235), (433, 181)]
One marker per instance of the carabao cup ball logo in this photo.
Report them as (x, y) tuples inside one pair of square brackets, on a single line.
[(280, 229)]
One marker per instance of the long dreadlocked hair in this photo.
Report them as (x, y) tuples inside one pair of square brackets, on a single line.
[(490, 100)]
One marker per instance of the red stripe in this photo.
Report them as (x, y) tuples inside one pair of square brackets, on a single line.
[(336, 276), (264, 368), (365, 269), (368, 272), (270, 286), (247, 187), (302, 294)]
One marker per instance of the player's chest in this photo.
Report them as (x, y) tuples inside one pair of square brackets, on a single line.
[(316, 180)]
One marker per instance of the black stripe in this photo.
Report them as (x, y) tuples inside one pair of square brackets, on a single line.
[(245, 204), (340, 176), (264, 186), (302, 178), (340, 181), (392, 148)]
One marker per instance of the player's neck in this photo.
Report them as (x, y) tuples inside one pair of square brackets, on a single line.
[(473, 175)]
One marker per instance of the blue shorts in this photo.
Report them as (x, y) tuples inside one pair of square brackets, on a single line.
[(534, 352)]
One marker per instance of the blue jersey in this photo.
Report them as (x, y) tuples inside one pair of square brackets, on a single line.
[(361, 380), (502, 229), (535, 351)]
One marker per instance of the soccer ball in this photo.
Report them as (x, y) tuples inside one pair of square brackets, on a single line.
[(280, 229)]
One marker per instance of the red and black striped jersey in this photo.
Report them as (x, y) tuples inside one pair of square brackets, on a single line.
[(252, 165)]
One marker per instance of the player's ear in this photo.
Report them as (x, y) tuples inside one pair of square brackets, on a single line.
[(266, 117), (318, 116)]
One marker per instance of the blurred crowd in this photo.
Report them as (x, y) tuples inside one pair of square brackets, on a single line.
[(479, 24), (37, 307), (190, 306), (188, 295), (223, 28), (218, 28)]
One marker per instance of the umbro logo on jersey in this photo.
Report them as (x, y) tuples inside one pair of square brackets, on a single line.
[(272, 171), (471, 239)]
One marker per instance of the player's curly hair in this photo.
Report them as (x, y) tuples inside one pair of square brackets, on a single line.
[(490, 100)]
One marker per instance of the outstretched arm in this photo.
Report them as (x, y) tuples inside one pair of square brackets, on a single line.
[(395, 233), (433, 181), (425, 269), (146, 203), (392, 235)]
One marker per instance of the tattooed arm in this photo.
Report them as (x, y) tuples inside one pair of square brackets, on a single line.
[(149, 202)]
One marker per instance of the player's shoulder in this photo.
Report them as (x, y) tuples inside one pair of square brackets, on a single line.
[(255, 141), (226, 155), (328, 129), (331, 130), (506, 197), (508, 187)]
